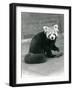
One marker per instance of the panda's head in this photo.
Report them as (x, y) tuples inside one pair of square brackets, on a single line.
[(51, 32)]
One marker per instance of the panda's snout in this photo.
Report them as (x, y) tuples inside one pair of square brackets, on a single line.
[(52, 38)]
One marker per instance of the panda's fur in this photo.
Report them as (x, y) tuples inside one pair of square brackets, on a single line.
[(42, 44)]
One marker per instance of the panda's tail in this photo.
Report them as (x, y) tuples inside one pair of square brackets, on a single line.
[(34, 58)]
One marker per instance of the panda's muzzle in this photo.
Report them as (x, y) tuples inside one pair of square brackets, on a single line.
[(52, 38)]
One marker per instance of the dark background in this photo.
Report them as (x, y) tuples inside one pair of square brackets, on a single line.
[(31, 23)]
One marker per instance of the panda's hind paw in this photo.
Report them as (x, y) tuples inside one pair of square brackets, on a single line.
[(51, 56)]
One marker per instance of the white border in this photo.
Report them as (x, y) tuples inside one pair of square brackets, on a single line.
[(32, 79)]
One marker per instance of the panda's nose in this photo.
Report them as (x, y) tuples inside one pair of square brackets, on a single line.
[(52, 38)]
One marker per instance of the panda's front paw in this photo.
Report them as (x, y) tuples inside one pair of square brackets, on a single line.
[(50, 56), (57, 49)]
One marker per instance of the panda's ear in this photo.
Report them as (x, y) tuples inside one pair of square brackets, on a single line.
[(45, 28), (56, 27)]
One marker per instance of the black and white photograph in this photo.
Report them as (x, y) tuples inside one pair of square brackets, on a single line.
[(42, 44)]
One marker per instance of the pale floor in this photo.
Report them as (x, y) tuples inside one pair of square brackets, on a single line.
[(53, 66)]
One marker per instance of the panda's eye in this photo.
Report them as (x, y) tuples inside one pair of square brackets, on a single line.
[(54, 34), (49, 35)]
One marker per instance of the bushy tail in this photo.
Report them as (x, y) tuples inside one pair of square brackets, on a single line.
[(34, 58)]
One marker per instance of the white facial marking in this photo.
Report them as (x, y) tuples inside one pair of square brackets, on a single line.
[(52, 37), (51, 32)]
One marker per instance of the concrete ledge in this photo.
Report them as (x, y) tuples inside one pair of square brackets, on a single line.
[(26, 40)]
